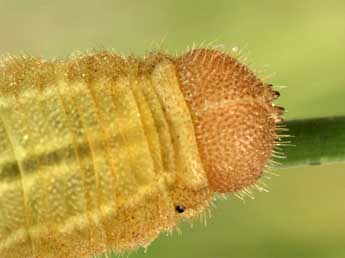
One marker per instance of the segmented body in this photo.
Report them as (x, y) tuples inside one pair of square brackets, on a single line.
[(95, 154), (101, 153)]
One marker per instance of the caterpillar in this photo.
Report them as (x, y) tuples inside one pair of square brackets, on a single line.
[(100, 152)]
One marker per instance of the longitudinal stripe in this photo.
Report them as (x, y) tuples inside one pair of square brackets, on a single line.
[(102, 152)]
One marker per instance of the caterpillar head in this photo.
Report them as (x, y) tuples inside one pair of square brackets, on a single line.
[(233, 115)]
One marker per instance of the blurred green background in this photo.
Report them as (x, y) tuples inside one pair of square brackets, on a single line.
[(300, 43)]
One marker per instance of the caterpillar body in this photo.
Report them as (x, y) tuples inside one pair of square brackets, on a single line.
[(101, 152)]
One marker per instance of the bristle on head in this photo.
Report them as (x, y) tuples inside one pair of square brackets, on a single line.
[(233, 116)]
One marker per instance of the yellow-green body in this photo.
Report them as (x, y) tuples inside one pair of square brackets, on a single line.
[(95, 154)]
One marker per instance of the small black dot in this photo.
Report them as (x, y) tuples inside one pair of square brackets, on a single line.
[(180, 208)]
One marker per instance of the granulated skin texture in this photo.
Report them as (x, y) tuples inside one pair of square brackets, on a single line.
[(233, 117), (100, 152)]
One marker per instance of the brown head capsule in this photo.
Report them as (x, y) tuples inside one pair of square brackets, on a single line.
[(233, 117), (101, 152)]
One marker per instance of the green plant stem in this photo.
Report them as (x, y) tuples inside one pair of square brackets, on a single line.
[(314, 141)]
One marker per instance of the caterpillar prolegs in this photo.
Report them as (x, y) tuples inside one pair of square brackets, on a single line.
[(101, 152)]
